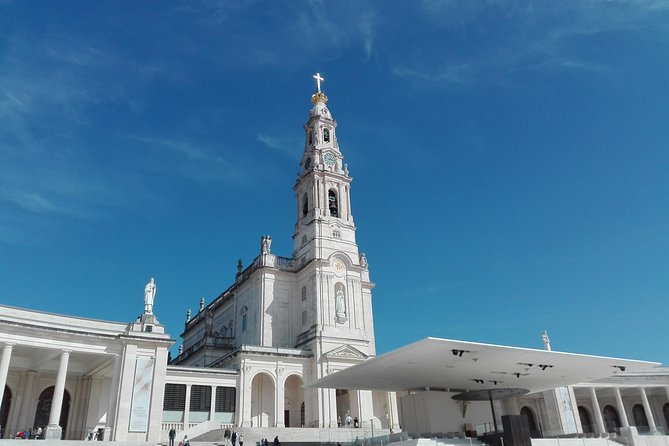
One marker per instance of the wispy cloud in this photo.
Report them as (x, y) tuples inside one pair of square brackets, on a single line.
[(286, 145), (526, 36)]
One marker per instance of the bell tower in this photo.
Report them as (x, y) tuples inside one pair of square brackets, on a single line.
[(322, 191)]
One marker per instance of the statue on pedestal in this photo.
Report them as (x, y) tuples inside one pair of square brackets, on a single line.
[(265, 244), (149, 296)]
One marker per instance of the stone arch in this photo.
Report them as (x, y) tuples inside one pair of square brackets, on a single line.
[(263, 390), (527, 413), (611, 419), (293, 392), (4, 409), (586, 420), (43, 409), (640, 419)]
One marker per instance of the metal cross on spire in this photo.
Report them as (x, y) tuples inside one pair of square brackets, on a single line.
[(318, 78)]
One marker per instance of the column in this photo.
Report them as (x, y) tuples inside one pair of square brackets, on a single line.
[(597, 412), (187, 407), (646, 408), (280, 394), (54, 430), (212, 404), (621, 407), (4, 368), (113, 398)]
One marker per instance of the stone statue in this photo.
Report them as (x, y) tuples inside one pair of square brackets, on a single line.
[(208, 322), (149, 296), (363, 260), (265, 244), (547, 341), (181, 349), (188, 315), (240, 267), (201, 303), (340, 304)]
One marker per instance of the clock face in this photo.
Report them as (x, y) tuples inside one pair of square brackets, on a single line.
[(339, 267), (329, 159)]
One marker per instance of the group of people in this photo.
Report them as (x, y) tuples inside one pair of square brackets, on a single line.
[(172, 435), (350, 422), (28, 434), (230, 438), (276, 442)]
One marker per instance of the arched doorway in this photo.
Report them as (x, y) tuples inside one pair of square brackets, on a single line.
[(526, 413), (44, 409), (343, 405), (262, 401), (640, 419), (611, 419), (293, 402), (4, 410), (586, 421)]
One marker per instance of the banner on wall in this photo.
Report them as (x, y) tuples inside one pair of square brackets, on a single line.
[(568, 409), (141, 395)]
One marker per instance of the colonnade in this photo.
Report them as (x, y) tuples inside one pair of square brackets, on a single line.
[(600, 426)]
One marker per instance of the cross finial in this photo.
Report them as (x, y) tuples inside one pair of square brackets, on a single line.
[(318, 78)]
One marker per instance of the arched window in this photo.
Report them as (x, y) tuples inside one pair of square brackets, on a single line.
[(326, 135), (640, 420), (526, 413), (311, 137), (586, 422), (305, 205), (333, 203), (611, 419)]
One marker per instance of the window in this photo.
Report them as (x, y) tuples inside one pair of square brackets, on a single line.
[(244, 322), (200, 398), (311, 137), (326, 135), (304, 293), (175, 397), (333, 204), (304, 317), (305, 205), (225, 399)]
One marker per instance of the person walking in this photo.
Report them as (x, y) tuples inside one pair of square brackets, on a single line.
[(233, 437), (240, 437), (276, 441)]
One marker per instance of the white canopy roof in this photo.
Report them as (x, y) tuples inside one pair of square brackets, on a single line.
[(469, 366)]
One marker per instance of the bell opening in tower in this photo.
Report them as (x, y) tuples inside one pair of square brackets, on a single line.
[(305, 205), (333, 205)]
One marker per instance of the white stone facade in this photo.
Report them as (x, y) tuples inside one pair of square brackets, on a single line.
[(287, 321)]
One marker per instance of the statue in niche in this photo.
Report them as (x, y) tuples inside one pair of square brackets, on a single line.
[(265, 244), (149, 296), (340, 302)]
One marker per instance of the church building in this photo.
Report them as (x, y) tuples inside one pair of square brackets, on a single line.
[(288, 321)]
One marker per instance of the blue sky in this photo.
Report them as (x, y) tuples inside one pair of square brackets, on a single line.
[(509, 159)]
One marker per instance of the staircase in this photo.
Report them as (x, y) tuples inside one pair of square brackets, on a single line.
[(296, 436)]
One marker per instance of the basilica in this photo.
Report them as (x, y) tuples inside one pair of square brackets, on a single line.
[(288, 321), (288, 347)]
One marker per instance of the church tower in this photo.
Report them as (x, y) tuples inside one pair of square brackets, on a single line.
[(333, 276)]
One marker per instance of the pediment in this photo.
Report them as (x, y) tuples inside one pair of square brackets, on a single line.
[(346, 352)]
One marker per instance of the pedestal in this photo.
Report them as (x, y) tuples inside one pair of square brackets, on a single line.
[(53, 432)]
